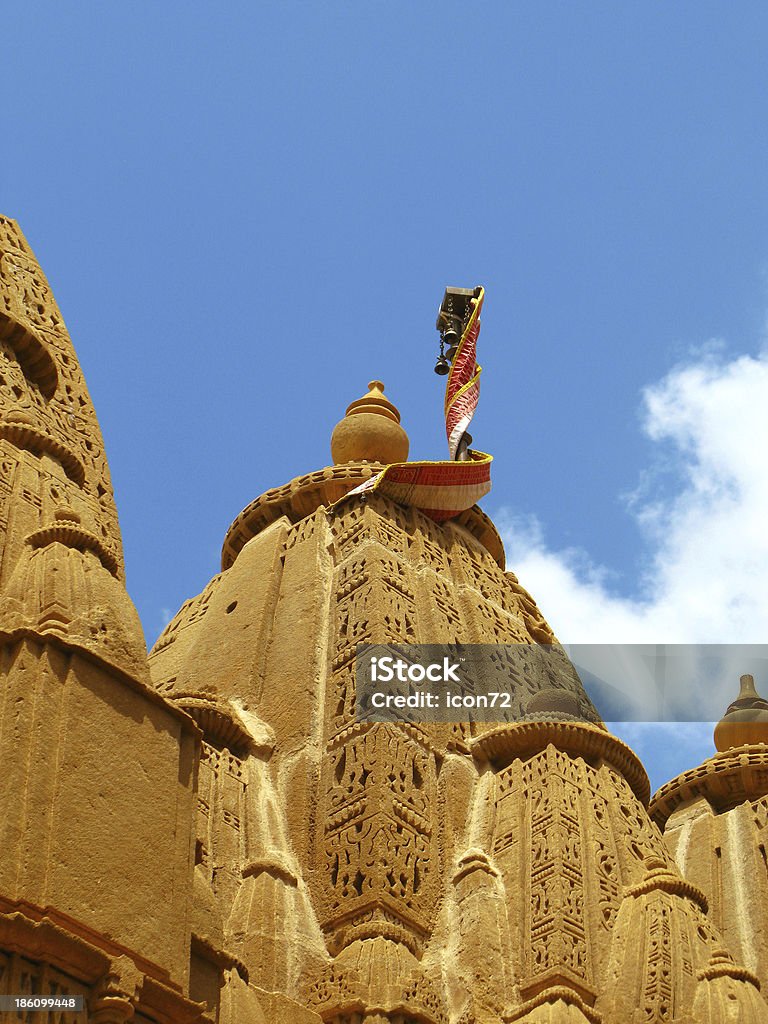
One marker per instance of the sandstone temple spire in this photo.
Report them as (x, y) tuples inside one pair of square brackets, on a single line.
[(45, 410), (442, 874), (96, 788), (212, 834)]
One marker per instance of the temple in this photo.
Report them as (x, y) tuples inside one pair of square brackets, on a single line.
[(209, 833)]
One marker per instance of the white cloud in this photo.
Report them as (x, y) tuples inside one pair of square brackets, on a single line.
[(706, 542)]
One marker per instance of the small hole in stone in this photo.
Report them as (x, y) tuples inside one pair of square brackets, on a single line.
[(231, 607)]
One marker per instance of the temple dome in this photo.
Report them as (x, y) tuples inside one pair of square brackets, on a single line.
[(370, 431), (745, 721)]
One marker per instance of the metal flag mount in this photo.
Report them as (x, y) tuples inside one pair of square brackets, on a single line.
[(442, 490)]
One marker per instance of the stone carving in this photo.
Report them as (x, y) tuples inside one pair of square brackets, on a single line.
[(714, 820), (221, 841), (380, 873), (47, 421)]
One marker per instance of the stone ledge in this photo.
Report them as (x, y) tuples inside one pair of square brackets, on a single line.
[(725, 781), (522, 740), (305, 494)]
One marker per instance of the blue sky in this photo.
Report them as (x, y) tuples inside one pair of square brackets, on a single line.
[(248, 212)]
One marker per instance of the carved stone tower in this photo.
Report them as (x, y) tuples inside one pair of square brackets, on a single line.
[(229, 843), (98, 778)]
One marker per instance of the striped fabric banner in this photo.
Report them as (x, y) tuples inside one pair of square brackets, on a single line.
[(442, 490)]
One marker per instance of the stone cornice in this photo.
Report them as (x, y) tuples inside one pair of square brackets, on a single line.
[(305, 494), (43, 933), (521, 740), (30, 438), (725, 781), (73, 536)]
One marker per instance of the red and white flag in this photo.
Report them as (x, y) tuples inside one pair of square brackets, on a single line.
[(442, 490)]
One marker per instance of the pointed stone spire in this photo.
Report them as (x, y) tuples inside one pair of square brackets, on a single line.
[(97, 797), (51, 449)]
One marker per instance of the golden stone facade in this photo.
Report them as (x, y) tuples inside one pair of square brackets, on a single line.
[(209, 834)]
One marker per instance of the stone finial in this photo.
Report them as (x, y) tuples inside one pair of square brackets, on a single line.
[(745, 721), (370, 431)]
